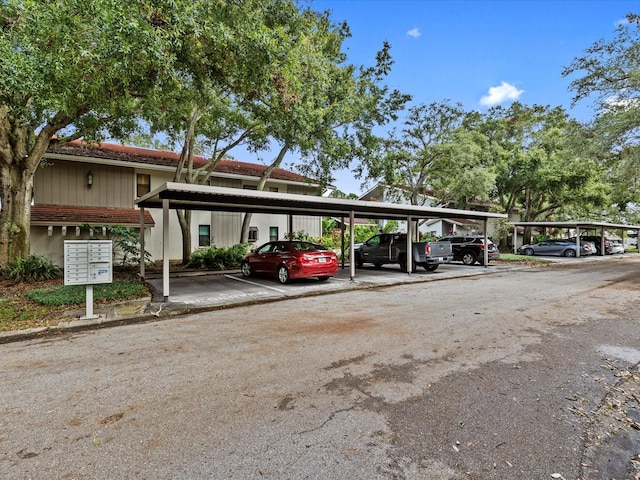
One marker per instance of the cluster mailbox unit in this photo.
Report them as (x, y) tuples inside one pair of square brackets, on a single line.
[(88, 262)]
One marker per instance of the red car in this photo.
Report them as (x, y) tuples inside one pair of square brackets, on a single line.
[(291, 259)]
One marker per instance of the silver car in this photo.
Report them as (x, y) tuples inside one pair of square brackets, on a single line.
[(562, 247)]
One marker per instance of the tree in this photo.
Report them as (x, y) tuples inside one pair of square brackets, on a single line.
[(230, 60), (72, 69), (539, 169), (608, 74), (432, 155)]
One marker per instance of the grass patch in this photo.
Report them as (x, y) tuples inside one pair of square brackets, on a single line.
[(513, 258), (76, 294), (25, 305)]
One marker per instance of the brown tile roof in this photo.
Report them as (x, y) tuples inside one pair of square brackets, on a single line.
[(71, 215), (110, 151)]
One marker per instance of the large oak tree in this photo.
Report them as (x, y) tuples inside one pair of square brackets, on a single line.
[(72, 69)]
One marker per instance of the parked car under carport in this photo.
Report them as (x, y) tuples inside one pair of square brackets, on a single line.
[(561, 247)]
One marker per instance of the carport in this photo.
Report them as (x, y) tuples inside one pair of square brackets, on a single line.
[(598, 227), (172, 195)]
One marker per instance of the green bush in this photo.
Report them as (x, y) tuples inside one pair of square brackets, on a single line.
[(32, 268), (218, 258), (126, 241)]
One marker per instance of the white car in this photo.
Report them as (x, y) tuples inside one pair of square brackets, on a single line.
[(616, 247)]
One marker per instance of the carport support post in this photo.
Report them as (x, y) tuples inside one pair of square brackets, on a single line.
[(486, 244), (515, 239), (577, 241), (142, 265), (165, 249), (352, 245), (409, 244), (342, 229)]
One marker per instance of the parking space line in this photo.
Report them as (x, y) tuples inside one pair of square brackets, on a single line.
[(340, 279), (254, 283)]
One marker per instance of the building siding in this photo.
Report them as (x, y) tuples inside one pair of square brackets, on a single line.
[(65, 183)]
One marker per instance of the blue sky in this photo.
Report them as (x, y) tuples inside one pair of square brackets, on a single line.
[(479, 53)]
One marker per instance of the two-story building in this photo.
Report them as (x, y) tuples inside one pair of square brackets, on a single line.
[(80, 184)]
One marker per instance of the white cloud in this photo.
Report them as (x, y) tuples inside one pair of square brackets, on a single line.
[(621, 22), (414, 32), (501, 94)]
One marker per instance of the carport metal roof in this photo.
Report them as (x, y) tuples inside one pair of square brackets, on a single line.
[(203, 197), (578, 225), (172, 195)]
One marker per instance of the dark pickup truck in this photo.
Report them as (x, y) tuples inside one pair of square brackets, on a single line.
[(385, 248)]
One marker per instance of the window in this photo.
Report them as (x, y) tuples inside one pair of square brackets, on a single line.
[(273, 234), (253, 234), (204, 235), (143, 184), (273, 189), (249, 187)]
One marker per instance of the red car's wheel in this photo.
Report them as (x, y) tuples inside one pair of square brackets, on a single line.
[(283, 274), (245, 268)]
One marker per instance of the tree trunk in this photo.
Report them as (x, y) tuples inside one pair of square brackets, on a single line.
[(186, 156), (15, 214), (21, 152), (184, 219), (246, 221), (20, 156)]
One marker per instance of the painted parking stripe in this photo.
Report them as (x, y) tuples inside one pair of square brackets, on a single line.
[(254, 283)]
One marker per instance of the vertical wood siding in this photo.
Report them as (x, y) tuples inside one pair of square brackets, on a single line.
[(65, 183)]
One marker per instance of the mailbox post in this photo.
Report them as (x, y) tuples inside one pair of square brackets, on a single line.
[(88, 262)]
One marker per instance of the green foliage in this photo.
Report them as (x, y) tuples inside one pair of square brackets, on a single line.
[(607, 73), (126, 243), (433, 155), (390, 227), (328, 226), (76, 294), (218, 258), (32, 268), (539, 238), (427, 237), (513, 258), (299, 235)]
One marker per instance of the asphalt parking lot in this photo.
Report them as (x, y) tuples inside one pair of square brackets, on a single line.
[(195, 291), (470, 378)]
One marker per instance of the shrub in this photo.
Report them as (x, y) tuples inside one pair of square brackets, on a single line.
[(218, 258), (126, 241), (32, 268)]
